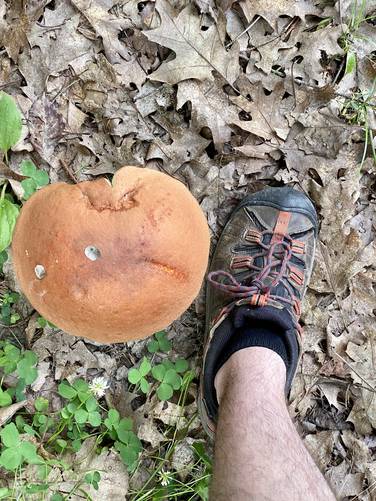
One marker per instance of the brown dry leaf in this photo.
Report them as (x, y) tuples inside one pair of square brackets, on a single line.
[(109, 27), (212, 108), (264, 114), (31, 328), (369, 493), (359, 418), (152, 97), (316, 48), (54, 55), (198, 52), (114, 474), (19, 19), (343, 253), (321, 445), (148, 432), (46, 129), (357, 448), (272, 10), (343, 482), (106, 25), (71, 357), (331, 392), (186, 145), (183, 458), (363, 370)]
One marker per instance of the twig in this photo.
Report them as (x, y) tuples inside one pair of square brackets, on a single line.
[(242, 33), (357, 373), (293, 83), (339, 71), (63, 89), (340, 11), (68, 171)]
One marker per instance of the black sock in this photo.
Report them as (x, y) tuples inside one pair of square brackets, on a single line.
[(255, 333)]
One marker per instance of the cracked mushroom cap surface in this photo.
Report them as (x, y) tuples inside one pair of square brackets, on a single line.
[(112, 263)]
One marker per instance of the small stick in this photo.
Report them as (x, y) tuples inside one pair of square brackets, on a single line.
[(242, 33), (68, 171)]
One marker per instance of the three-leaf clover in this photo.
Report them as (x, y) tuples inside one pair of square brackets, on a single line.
[(36, 178), (93, 479), (112, 420), (5, 398), (9, 357), (159, 343), (6, 308), (138, 376), (167, 374), (26, 367), (15, 451), (83, 406), (128, 445)]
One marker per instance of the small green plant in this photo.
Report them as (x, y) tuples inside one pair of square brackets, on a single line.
[(20, 363), (82, 410), (326, 21), (93, 478), (8, 217), (356, 111), (159, 343), (138, 376), (346, 41), (168, 375), (8, 316), (3, 259), (80, 418), (16, 451), (36, 178), (10, 134), (10, 123), (164, 483), (126, 441), (42, 323)]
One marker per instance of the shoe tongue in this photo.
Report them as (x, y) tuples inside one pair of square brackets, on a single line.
[(243, 315)]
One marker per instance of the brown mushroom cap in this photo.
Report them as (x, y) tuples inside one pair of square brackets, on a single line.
[(112, 263)]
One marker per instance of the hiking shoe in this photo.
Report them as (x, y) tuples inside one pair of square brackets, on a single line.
[(259, 273)]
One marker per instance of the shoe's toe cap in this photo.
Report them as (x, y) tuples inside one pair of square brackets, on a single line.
[(284, 199)]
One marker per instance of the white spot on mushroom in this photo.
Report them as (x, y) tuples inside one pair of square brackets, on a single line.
[(40, 272), (92, 253), (27, 252)]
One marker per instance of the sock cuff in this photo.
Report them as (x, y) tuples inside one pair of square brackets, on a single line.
[(266, 335)]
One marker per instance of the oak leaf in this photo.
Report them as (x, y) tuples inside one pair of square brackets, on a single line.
[(198, 52)]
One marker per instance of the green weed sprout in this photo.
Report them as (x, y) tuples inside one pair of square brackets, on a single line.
[(36, 178)]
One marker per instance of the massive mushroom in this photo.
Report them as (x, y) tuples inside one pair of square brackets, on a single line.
[(112, 262)]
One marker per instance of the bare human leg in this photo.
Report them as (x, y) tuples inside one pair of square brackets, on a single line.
[(259, 455)]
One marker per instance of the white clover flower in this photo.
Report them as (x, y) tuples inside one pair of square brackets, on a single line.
[(165, 477), (98, 386)]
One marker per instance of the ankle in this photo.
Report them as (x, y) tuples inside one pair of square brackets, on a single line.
[(258, 371)]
